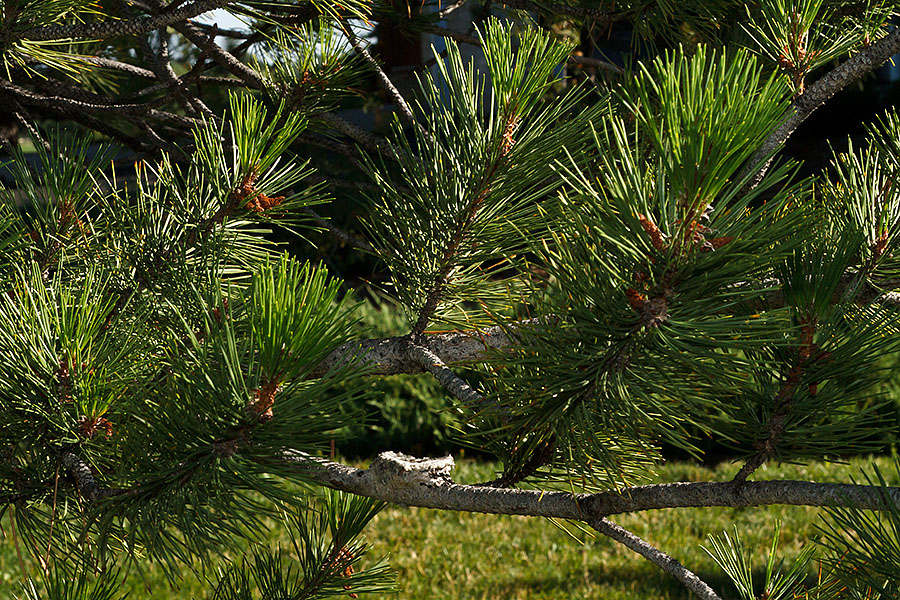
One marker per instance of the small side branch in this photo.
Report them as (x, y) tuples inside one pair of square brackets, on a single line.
[(454, 384), (367, 139), (346, 238), (465, 38), (815, 95), (604, 15), (84, 479), (665, 562), (387, 85)]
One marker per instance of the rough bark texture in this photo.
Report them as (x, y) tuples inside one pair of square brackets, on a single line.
[(396, 478), (389, 356)]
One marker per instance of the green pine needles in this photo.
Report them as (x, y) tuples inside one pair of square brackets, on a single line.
[(602, 264)]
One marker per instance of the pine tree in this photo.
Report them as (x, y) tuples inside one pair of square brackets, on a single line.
[(597, 258)]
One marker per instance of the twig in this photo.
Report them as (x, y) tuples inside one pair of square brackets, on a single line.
[(454, 384), (665, 562), (815, 95), (107, 63), (224, 59), (159, 61), (595, 62), (451, 9), (84, 479), (560, 8), (22, 117), (387, 85), (345, 237), (474, 41), (368, 139), (454, 35)]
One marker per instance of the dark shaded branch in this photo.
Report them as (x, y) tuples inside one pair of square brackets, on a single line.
[(387, 85), (107, 63), (63, 103), (586, 61), (474, 41), (224, 59), (84, 479), (662, 560), (346, 238), (106, 29), (366, 138), (451, 9), (600, 14)]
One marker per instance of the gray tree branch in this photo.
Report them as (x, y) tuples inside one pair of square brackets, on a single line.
[(389, 356), (409, 487), (665, 562), (454, 384)]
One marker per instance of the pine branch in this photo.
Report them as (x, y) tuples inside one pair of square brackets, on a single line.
[(224, 59), (586, 61), (387, 85), (603, 15), (346, 238), (62, 103), (106, 29), (443, 14), (389, 356), (159, 61), (406, 485), (367, 139), (108, 63), (84, 479), (474, 41), (853, 69), (665, 562)]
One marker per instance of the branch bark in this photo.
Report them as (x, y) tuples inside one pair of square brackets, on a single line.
[(394, 478), (84, 479), (457, 386), (388, 356), (662, 560)]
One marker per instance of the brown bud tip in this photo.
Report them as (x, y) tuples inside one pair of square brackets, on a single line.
[(635, 299)]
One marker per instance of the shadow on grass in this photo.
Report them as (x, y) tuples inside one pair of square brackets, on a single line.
[(644, 581), (597, 581)]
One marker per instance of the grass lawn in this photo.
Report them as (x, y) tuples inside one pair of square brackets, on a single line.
[(440, 555)]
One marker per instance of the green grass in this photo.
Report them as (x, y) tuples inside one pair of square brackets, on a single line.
[(445, 555)]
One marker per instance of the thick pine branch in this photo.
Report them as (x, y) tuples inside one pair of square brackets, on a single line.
[(389, 356), (400, 479)]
